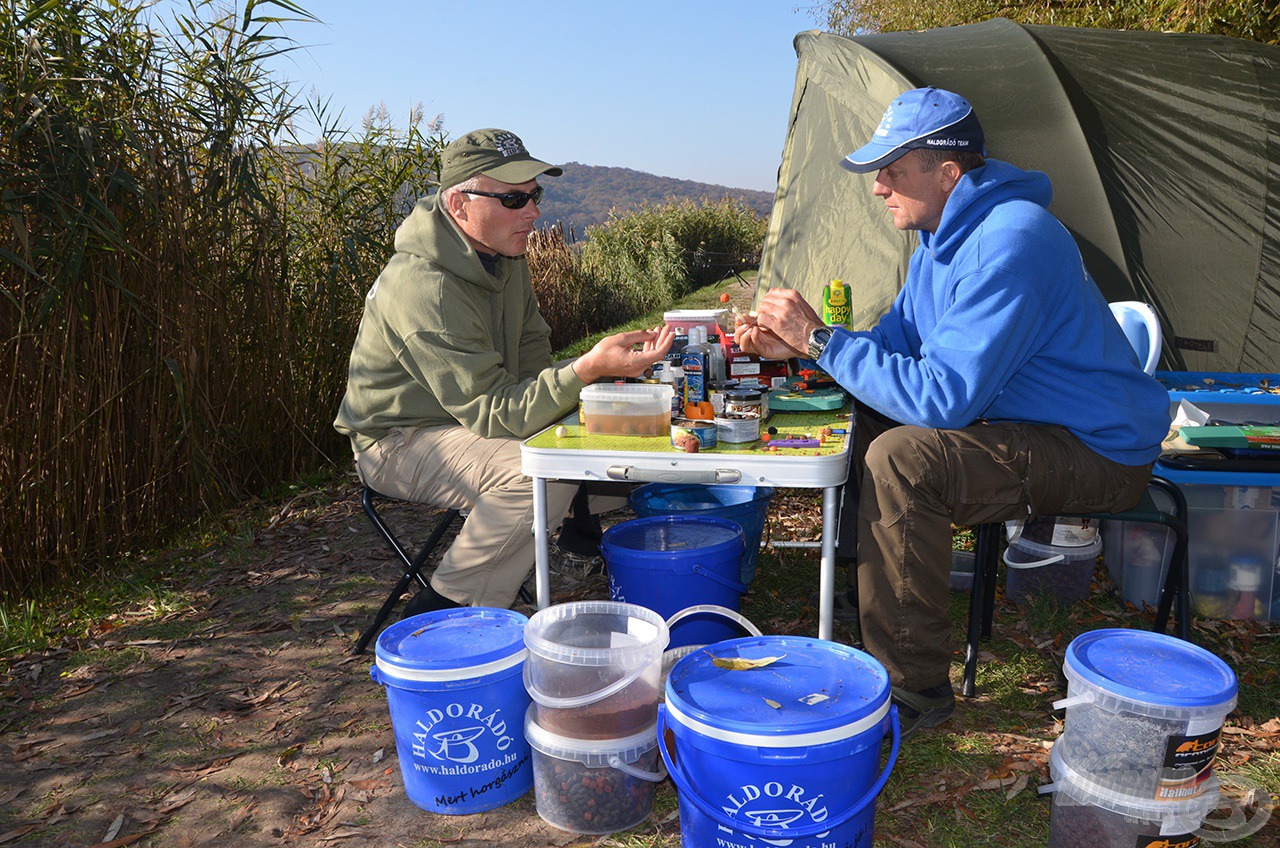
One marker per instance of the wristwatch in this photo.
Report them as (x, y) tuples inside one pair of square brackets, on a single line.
[(818, 340)]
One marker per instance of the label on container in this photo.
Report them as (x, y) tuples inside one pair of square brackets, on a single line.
[(1188, 763), (1182, 840), (695, 376)]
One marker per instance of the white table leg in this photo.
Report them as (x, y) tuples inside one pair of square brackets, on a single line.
[(541, 543), (827, 576)]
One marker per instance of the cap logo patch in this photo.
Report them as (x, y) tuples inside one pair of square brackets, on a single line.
[(509, 144)]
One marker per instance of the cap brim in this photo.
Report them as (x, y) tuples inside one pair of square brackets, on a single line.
[(522, 171), (872, 157)]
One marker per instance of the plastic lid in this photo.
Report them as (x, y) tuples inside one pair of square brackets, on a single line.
[(1022, 551), (597, 633), (1245, 577), (594, 753), (1150, 668), (1190, 812), (814, 692), (626, 391), (660, 539), (693, 314), (452, 644)]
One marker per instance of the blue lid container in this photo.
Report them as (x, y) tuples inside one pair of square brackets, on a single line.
[(1150, 673), (450, 648), (816, 690)]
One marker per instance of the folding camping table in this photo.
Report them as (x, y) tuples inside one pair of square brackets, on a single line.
[(579, 455)]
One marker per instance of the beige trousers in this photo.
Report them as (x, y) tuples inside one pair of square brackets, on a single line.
[(914, 483), (452, 468)]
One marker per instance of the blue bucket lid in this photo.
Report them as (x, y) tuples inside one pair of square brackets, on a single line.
[(452, 644), (1151, 668), (690, 497), (664, 537), (823, 691)]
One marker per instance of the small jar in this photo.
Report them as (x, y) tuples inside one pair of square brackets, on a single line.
[(744, 402)]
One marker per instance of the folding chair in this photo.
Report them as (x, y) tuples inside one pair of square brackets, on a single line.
[(1176, 584), (412, 567)]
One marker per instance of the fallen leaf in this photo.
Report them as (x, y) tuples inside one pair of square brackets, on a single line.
[(773, 704), (1018, 785), (742, 663), (114, 830)]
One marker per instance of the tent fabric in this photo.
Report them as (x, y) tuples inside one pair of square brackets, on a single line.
[(1162, 149)]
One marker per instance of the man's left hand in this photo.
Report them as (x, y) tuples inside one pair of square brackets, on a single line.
[(616, 356)]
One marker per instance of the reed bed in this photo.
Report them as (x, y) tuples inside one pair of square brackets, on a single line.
[(182, 277)]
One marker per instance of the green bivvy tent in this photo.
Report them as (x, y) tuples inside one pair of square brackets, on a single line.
[(1163, 149)]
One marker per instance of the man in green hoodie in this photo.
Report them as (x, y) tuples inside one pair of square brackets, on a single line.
[(452, 368)]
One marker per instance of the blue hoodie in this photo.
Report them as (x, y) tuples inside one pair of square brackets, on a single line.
[(1000, 320)]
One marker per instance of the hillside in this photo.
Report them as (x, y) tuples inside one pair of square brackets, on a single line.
[(585, 194)]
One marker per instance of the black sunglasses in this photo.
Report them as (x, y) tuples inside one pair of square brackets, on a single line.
[(514, 199)]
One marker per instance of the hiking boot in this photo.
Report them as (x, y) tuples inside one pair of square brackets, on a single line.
[(926, 708), (845, 607), (427, 600)]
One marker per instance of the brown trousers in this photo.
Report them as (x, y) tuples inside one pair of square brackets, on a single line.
[(915, 482)]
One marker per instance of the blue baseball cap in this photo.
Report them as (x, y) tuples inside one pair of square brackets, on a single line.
[(927, 118)]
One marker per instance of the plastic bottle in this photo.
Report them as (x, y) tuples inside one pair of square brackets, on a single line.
[(717, 363), (673, 376), (835, 305), (1246, 579), (695, 359)]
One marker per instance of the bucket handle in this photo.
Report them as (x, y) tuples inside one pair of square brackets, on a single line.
[(635, 771), (1073, 701), (685, 787), (581, 700), (728, 582), (1056, 558), (735, 616)]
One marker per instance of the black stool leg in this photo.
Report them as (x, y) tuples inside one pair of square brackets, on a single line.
[(1177, 583), (981, 600), (412, 567)]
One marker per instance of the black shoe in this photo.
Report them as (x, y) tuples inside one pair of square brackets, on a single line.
[(574, 540), (427, 600), (845, 607), (927, 708)]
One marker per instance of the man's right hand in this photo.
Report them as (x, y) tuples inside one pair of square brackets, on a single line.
[(753, 338), (616, 356)]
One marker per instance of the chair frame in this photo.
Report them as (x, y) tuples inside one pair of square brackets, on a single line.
[(1175, 587), (412, 567)]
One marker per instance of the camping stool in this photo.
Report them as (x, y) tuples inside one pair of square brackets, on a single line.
[(412, 567), (987, 555)]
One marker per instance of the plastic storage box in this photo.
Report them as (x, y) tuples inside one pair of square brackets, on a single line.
[(1137, 557), (1234, 513), (684, 319), (627, 409)]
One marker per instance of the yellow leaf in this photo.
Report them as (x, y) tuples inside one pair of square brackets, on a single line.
[(773, 704), (742, 663)]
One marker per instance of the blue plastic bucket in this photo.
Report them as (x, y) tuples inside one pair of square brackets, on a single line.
[(454, 681), (668, 563), (747, 505), (787, 752)]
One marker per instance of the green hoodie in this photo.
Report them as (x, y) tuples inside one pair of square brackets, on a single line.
[(443, 341)]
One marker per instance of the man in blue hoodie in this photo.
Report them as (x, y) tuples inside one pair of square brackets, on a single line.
[(1016, 390)]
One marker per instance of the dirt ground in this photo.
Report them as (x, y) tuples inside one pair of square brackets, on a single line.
[(240, 718)]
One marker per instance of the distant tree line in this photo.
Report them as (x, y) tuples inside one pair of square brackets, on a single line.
[(1255, 20)]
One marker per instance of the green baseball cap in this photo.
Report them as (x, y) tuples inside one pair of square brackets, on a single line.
[(495, 153)]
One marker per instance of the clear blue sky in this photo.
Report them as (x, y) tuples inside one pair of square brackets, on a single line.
[(694, 89)]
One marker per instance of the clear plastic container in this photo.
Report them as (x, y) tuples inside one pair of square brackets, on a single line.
[(594, 667), (1087, 813), (593, 786), (714, 320), (1144, 713), (1060, 572), (627, 409)]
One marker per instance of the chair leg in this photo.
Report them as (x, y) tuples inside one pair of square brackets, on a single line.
[(412, 567), (981, 601), (1177, 583)]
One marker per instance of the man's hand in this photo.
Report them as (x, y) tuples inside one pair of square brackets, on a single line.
[(753, 338), (789, 317), (616, 356)]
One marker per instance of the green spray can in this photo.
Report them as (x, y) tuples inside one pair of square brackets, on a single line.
[(835, 304)]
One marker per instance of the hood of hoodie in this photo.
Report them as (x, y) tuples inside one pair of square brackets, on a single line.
[(975, 194), (431, 234)]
